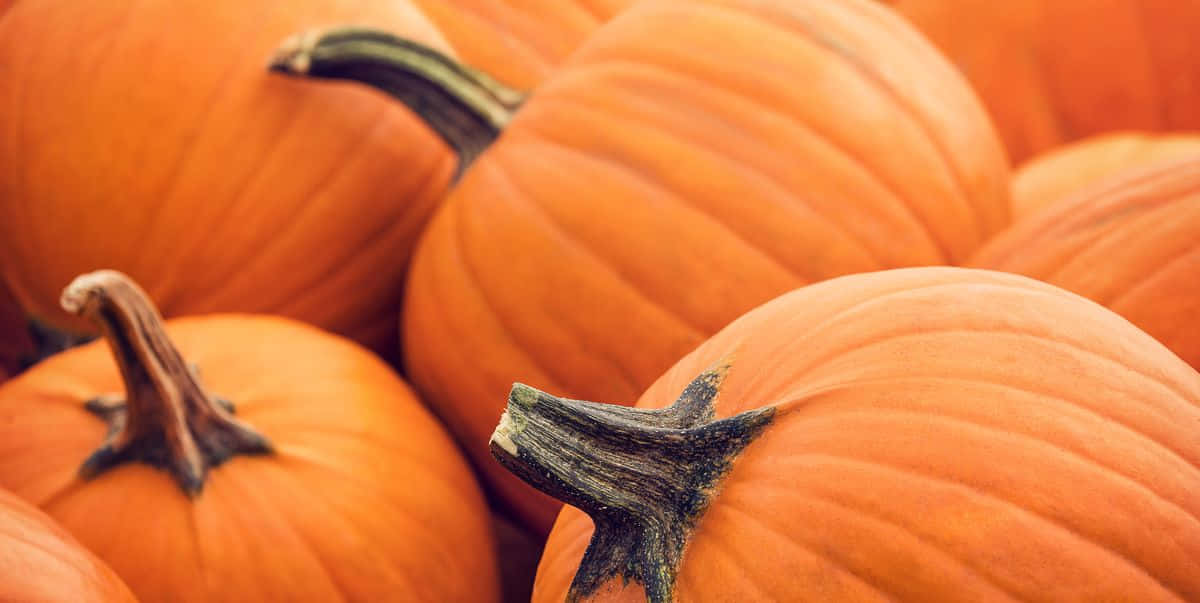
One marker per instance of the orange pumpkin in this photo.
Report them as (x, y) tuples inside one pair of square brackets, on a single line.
[(519, 43), (1056, 174), (1131, 242), (333, 483), (689, 161), (924, 434), (150, 136), (42, 562), (1052, 71)]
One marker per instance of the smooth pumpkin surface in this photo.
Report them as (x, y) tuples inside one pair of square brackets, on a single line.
[(1131, 243), (1056, 174), (688, 162), (364, 499), (41, 562), (149, 137), (519, 42), (940, 434), (1053, 71)]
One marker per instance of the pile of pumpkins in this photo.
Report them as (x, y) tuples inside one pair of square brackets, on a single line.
[(872, 300)]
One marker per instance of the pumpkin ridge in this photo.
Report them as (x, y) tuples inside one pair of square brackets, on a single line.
[(804, 403), (1147, 220), (941, 416), (1147, 279), (562, 234), (231, 280), (1058, 526), (769, 180), (470, 265), (844, 565), (956, 179)]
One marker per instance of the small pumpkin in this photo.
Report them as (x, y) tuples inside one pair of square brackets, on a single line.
[(1053, 71), (924, 434), (331, 482), (689, 161), (1057, 174), (41, 562), (1131, 243)]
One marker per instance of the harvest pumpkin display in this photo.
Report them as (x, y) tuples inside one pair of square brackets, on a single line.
[(149, 135), (1058, 173), (1131, 243), (689, 161), (331, 483), (39, 561), (924, 434), (1053, 71), (519, 43)]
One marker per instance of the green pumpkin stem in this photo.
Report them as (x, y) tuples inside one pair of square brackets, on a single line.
[(464, 106), (166, 418), (644, 476)]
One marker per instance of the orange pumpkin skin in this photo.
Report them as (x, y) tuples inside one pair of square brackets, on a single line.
[(365, 499), (518, 43), (1052, 71), (42, 562), (1055, 175), (1131, 242), (649, 192), (941, 434), (152, 138)]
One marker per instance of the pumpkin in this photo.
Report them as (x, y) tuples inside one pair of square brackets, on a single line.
[(689, 161), (149, 135), (42, 562), (1058, 173), (1053, 71), (1131, 243), (518, 43), (331, 482), (923, 434)]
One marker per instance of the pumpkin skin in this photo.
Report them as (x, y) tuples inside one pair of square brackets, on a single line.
[(941, 434), (1131, 242), (518, 43), (42, 562), (365, 498), (648, 193), (1053, 71), (152, 138), (1056, 174)]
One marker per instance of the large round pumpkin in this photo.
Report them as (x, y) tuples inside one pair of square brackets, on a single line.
[(1057, 174), (1052, 71), (1131, 242), (926, 434), (150, 136), (40, 562), (689, 161), (331, 482)]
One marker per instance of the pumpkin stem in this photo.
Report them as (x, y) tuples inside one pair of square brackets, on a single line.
[(466, 107), (167, 418), (644, 476)]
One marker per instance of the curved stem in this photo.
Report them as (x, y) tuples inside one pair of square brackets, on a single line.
[(644, 476), (167, 418), (466, 107)]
